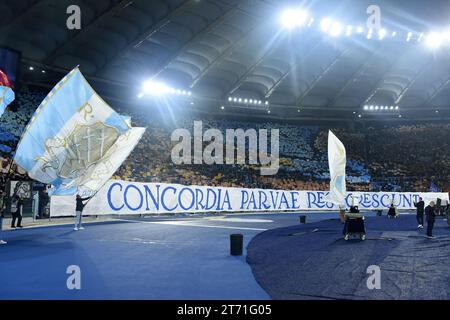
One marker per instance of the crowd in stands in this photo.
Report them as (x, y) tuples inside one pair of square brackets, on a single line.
[(398, 158), (12, 125)]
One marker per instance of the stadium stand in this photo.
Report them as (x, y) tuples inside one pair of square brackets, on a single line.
[(303, 156)]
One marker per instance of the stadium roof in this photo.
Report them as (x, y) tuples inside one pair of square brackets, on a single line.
[(221, 49)]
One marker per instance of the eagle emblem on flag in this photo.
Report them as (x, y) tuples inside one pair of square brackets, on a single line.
[(83, 148), (75, 141)]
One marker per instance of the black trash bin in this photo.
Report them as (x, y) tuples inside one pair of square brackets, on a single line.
[(302, 219), (236, 244)]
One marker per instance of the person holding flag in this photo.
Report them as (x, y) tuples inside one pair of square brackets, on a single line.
[(79, 212), (2, 210), (337, 160)]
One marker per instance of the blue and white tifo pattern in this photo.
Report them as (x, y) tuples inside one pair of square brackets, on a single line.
[(75, 141), (6, 97)]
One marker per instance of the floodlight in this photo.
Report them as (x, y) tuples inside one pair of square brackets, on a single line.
[(409, 36), (155, 87), (336, 29), (434, 40), (325, 24), (420, 37), (292, 18), (348, 32)]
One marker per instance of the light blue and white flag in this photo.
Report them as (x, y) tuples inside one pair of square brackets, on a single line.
[(337, 159), (6, 97), (75, 141)]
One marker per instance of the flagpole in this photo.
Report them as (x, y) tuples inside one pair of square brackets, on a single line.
[(97, 191)]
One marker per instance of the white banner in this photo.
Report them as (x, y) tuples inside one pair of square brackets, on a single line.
[(121, 197), (337, 160)]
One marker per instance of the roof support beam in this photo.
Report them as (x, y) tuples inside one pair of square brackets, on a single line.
[(292, 67), (147, 33), (437, 92), (219, 20), (320, 77), (77, 34), (268, 50), (356, 74), (425, 67), (65, 71), (392, 66), (225, 53), (20, 17)]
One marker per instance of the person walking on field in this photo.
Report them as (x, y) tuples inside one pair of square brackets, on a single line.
[(420, 211), (16, 211), (79, 212), (2, 210), (430, 213)]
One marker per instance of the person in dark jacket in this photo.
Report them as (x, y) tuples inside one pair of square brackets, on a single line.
[(16, 211), (2, 210), (79, 212), (420, 211), (354, 224), (429, 212), (392, 212)]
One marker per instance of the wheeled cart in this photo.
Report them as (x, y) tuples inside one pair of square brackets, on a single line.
[(354, 227), (393, 213)]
